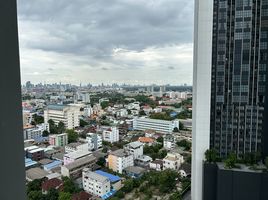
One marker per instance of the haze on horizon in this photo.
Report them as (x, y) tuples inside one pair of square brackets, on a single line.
[(100, 41)]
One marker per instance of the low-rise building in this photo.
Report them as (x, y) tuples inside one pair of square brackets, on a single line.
[(134, 171), (67, 114), (53, 183), (115, 180), (76, 146), (143, 161), (34, 152), (94, 141), (119, 160), (33, 132), (156, 165), (172, 161), (135, 149), (161, 126), (95, 183), (146, 140), (58, 139), (71, 157), (74, 169), (111, 135), (169, 142)]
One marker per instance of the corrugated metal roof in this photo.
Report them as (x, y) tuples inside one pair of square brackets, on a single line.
[(111, 177)]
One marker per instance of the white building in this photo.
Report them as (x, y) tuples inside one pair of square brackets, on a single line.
[(161, 126), (94, 183), (134, 105), (83, 96), (122, 113), (172, 161), (156, 165), (135, 149), (59, 140), (111, 135), (201, 92), (169, 142), (71, 157), (94, 141), (32, 132), (119, 160), (69, 115), (76, 146)]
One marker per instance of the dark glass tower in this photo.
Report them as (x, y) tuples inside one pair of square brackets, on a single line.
[(239, 100)]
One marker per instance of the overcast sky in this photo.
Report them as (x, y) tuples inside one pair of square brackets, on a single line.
[(95, 41)]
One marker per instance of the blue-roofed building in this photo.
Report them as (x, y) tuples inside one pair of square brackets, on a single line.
[(115, 180), (30, 163), (52, 165)]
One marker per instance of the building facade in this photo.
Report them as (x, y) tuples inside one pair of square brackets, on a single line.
[(69, 115), (119, 160), (94, 141), (95, 183), (135, 149), (58, 139), (111, 135), (30, 132), (161, 126)]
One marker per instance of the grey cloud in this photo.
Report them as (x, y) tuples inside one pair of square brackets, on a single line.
[(88, 31)]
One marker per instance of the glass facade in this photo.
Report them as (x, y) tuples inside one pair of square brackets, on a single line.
[(238, 81)]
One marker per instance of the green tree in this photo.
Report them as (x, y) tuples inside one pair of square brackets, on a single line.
[(160, 139), (72, 135), (34, 185), (229, 163), (69, 186), (64, 196), (184, 143), (104, 104), (60, 127), (83, 123), (101, 162), (45, 133), (211, 155), (120, 194), (52, 127), (142, 113), (52, 194), (128, 186), (175, 196), (35, 195), (38, 119)]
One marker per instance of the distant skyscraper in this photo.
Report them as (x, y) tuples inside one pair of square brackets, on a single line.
[(230, 76)]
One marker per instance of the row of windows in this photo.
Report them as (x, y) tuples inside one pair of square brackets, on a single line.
[(240, 3), (243, 13)]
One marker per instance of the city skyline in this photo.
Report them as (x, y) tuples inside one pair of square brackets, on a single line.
[(106, 42)]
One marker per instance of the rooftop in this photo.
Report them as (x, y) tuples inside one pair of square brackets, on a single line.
[(96, 176), (53, 164), (36, 173), (111, 177), (119, 153), (56, 107), (135, 145), (52, 183), (80, 162), (134, 169), (146, 139), (77, 154)]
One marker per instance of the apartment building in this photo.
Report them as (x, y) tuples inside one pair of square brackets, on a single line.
[(119, 160), (135, 149), (76, 146), (161, 126), (32, 132), (95, 184), (94, 141), (34, 152), (169, 142), (172, 161), (74, 169), (111, 135), (59, 140), (67, 114), (71, 157)]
